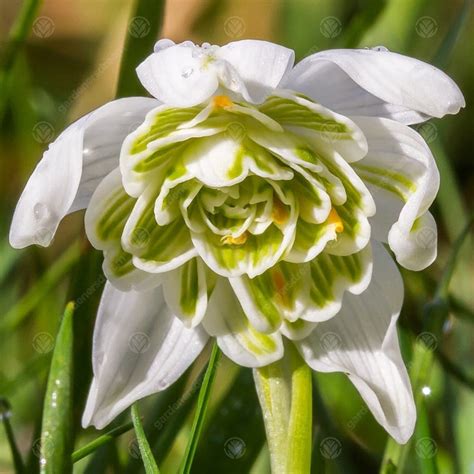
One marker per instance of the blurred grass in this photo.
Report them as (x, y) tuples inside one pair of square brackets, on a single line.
[(58, 76)]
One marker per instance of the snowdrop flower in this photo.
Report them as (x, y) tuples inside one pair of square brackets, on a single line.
[(248, 201)]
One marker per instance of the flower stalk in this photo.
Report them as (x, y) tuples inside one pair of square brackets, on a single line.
[(284, 391)]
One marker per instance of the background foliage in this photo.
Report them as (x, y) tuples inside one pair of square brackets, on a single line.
[(60, 59)]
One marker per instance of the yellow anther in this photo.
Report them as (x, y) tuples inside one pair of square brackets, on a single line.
[(280, 212), (334, 218), (221, 101), (230, 240)]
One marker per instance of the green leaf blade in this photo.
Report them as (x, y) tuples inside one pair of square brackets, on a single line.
[(56, 432), (145, 450)]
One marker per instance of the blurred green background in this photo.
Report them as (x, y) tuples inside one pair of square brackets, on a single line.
[(63, 61)]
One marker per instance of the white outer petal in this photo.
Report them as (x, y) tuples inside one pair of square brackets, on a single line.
[(139, 348), (412, 235), (72, 167), (260, 64), (363, 343), (376, 83), (178, 77)]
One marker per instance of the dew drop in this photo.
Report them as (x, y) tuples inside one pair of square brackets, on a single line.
[(187, 72), (40, 211), (379, 48)]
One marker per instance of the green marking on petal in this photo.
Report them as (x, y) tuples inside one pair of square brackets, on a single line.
[(162, 124), (116, 210), (288, 112), (189, 287), (328, 270)]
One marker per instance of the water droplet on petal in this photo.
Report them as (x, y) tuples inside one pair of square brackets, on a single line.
[(379, 48), (187, 72), (41, 211)]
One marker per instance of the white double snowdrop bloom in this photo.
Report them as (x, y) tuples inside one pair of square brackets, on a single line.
[(249, 201)]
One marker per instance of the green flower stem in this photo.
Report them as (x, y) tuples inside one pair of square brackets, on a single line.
[(145, 450), (100, 441), (56, 430), (202, 403), (284, 391)]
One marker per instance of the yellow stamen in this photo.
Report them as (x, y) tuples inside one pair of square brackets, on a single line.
[(230, 240), (334, 218), (221, 101), (280, 212)]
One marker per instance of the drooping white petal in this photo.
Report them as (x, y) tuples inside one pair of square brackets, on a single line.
[(139, 348), (235, 335), (376, 83), (179, 75), (402, 175), (361, 341), (72, 167), (260, 64)]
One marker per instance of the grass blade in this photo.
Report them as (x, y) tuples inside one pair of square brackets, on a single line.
[(56, 431), (201, 409), (100, 441), (5, 413), (144, 25), (35, 294), (145, 451)]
